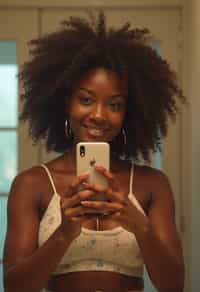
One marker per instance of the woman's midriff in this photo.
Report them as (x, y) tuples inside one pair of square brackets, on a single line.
[(91, 281)]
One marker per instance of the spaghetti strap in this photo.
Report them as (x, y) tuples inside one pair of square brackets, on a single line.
[(131, 179), (50, 177), (131, 195)]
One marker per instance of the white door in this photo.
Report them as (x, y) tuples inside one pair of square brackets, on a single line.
[(164, 24), (16, 28)]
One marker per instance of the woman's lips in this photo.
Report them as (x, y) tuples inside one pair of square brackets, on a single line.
[(95, 132)]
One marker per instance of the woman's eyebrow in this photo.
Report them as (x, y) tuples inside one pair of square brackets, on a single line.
[(116, 95), (87, 90)]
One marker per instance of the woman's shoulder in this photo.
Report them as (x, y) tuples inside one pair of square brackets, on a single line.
[(30, 176), (151, 175), (148, 170), (36, 174), (144, 171), (156, 186), (29, 185)]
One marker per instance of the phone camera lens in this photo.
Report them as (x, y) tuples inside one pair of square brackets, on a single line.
[(82, 151)]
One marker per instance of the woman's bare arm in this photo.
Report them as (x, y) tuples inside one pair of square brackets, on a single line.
[(159, 240), (27, 267)]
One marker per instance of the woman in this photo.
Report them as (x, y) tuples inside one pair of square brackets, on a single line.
[(87, 83)]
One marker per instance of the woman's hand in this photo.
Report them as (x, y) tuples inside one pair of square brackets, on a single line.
[(72, 212), (118, 207)]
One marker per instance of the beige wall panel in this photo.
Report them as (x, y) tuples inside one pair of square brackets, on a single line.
[(192, 165)]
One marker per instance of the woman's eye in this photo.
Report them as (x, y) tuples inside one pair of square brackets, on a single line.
[(85, 100), (116, 106)]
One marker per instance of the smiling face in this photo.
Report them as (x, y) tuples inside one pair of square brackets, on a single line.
[(97, 106)]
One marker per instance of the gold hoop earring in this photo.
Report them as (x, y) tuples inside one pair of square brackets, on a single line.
[(68, 131), (124, 137)]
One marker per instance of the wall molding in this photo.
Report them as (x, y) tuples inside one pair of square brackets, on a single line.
[(166, 4)]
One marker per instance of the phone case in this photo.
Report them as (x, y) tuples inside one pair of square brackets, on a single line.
[(89, 153)]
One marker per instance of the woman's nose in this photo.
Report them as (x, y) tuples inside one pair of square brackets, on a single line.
[(99, 112)]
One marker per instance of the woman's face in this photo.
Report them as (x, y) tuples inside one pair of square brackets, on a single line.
[(97, 106)]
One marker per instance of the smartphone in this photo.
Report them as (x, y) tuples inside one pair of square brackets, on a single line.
[(89, 153)]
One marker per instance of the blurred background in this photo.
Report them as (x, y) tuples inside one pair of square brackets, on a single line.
[(174, 25)]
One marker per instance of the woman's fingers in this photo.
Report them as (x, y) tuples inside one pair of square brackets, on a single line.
[(76, 184), (75, 212), (103, 206), (76, 198), (109, 176), (108, 192), (105, 172)]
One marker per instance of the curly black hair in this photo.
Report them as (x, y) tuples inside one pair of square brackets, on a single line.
[(59, 60)]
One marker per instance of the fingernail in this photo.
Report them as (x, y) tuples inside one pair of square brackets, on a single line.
[(85, 203), (97, 165), (84, 175), (85, 184)]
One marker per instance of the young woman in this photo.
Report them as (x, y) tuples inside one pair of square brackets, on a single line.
[(87, 83)]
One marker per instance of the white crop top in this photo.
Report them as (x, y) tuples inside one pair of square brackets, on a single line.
[(113, 250)]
